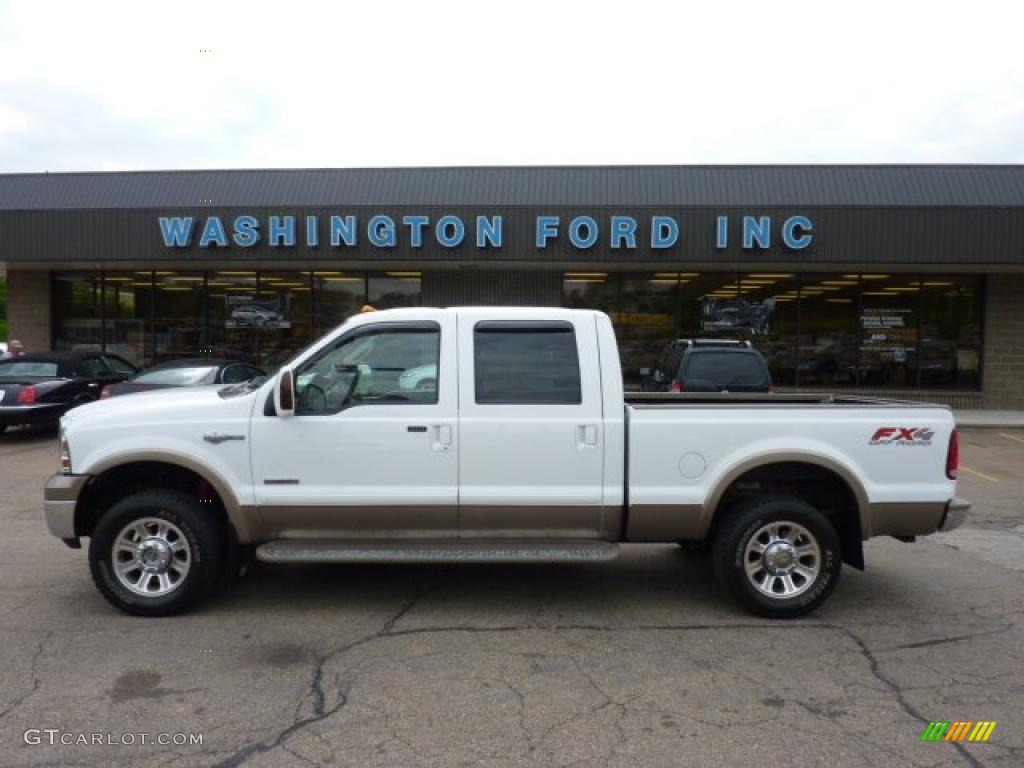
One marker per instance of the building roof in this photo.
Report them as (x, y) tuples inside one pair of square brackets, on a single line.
[(568, 186)]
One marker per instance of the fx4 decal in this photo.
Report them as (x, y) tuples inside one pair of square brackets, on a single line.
[(902, 436)]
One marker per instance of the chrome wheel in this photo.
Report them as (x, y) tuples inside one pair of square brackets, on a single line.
[(782, 560), (151, 557)]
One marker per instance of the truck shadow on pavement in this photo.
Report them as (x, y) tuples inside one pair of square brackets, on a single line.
[(652, 580)]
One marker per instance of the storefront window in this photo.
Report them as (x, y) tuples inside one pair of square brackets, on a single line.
[(128, 308), (647, 319), (770, 300), (828, 337), (889, 322), (283, 315), (951, 331), (78, 311), (233, 315), (393, 289), (337, 295), (177, 314), (814, 330)]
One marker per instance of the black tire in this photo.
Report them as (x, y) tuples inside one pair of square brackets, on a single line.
[(731, 557), (203, 533)]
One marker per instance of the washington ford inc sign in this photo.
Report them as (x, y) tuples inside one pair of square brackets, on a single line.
[(383, 231)]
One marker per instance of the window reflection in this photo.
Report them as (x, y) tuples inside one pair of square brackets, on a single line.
[(127, 302), (177, 314), (77, 298), (822, 330), (282, 311), (393, 289)]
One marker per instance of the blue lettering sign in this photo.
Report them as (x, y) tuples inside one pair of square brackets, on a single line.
[(664, 232), (343, 230), (450, 231), (547, 227), (757, 230), (213, 232), (576, 228), (623, 230), (281, 231), (722, 235), (380, 231), (312, 231), (488, 231), (177, 231), (247, 231), (416, 225), (792, 238)]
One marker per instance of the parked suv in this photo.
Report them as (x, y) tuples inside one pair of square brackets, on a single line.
[(710, 365)]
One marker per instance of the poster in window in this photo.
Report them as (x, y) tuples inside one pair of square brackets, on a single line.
[(263, 312), (754, 317)]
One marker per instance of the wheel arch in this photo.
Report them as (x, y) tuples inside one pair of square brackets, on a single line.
[(114, 473), (782, 470)]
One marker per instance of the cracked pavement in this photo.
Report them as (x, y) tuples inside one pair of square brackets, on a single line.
[(639, 662)]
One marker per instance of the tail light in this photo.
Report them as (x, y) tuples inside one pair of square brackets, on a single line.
[(953, 455), (675, 386), (28, 395), (772, 388), (105, 392)]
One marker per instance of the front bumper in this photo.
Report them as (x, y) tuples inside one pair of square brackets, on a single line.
[(60, 496), (956, 513)]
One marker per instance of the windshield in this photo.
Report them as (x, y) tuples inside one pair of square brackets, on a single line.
[(27, 368), (177, 377)]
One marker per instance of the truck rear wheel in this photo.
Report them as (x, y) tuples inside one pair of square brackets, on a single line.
[(778, 556), (156, 553)]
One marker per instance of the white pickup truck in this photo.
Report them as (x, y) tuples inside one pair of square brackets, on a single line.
[(489, 434)]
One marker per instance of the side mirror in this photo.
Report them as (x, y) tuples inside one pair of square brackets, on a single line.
[(284, 392)]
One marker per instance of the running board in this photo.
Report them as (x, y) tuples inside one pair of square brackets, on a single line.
[(463, 551)]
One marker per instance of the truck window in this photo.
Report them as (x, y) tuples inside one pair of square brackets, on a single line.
[(526, 363), (390, 365)]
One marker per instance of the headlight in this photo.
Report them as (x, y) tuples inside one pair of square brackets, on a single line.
[(65, 453)]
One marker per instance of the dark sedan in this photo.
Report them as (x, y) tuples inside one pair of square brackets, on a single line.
[(189, 372), (39, 389)]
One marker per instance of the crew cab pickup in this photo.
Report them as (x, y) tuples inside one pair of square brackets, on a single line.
[(510, 440)]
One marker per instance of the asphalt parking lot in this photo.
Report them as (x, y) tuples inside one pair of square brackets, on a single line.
[(638, 663)]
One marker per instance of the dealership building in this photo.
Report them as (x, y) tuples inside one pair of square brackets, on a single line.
[(893, 280)]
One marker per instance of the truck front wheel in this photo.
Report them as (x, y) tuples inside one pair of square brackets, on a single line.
[(778, 556), (156, 552)]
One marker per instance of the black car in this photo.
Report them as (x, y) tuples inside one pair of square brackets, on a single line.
[(710, 365), (188, 372), (39, 389)]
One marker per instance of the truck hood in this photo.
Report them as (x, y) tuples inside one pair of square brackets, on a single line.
[(177, 404)]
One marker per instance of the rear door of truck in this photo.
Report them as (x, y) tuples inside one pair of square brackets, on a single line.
[(531, 451)]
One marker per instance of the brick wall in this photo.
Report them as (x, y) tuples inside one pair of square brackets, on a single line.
[(1003, 374), (28, 308)]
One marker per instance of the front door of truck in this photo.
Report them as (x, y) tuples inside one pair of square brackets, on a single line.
[(530, 424), (372, 448)]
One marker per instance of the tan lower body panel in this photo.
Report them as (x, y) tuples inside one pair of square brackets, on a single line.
[(407, 522), (666, 522), (363, 521), (547, 521), (905, 518)]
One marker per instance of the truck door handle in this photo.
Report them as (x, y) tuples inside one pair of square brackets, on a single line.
[(586, 435), (416, 428), (442, 437)]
